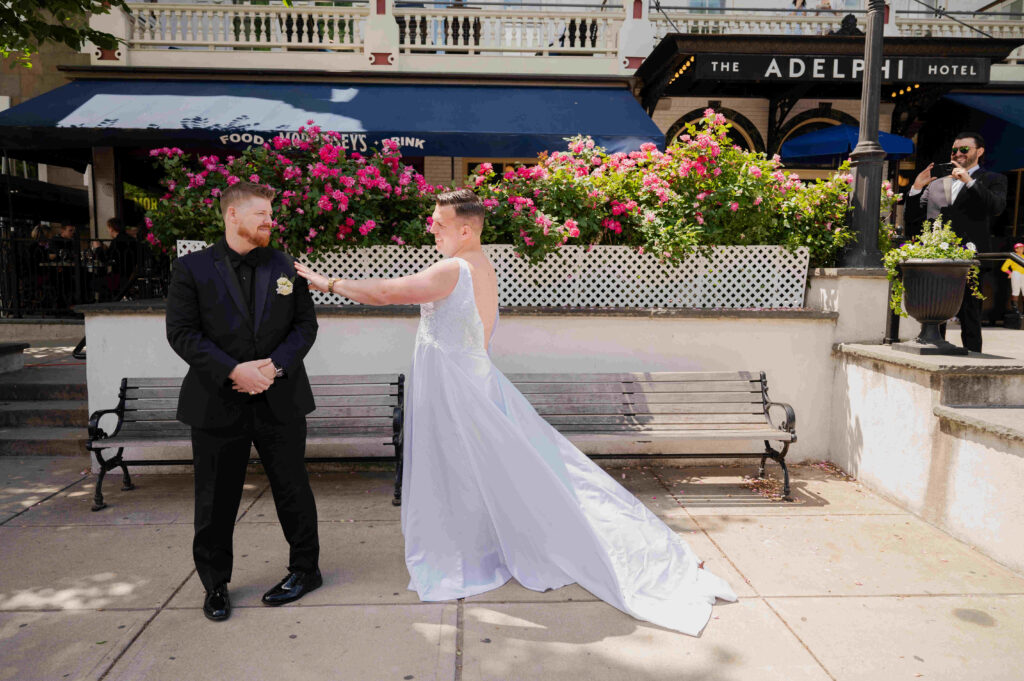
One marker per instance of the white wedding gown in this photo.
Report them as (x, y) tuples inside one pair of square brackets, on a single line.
[(492, 491)]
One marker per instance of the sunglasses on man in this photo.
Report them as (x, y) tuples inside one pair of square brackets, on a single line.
[(962, 150)]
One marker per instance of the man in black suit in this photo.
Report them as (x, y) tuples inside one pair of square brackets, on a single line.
[(970, 199), (242, 320)]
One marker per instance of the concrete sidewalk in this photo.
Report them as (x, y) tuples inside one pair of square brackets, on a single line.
[(839, 584)]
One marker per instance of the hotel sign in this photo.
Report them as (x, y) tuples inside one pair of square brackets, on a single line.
[(832, 68)]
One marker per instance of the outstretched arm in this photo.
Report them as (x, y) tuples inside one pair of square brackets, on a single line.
[(433, 283)]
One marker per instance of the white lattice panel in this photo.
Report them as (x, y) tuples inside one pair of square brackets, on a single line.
[(601, 276)]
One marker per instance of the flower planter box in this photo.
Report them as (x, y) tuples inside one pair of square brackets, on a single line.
[(600, 276)]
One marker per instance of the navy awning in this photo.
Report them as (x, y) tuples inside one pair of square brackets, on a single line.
[(427, 120), (838, 141), (1003, 128)]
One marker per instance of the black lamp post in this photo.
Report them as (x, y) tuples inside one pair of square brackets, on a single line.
[(868, 156)]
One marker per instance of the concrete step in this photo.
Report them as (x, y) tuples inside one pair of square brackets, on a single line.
[(43, 441), (42, 391), (53, 413), (44, 383), (1005, 423)]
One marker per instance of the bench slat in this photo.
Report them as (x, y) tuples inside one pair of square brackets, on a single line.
[(361, 379), (657, 376), (639, 410), (656, 420), (146, 392), (695, 433), (638, 388), (167, 381), (647, 398)]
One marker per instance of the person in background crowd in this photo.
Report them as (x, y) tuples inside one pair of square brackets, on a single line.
[(122, 254), (38, 278), (1015, 272), (65, 250)]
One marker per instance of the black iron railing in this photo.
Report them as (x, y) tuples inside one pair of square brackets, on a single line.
[(48, 277)]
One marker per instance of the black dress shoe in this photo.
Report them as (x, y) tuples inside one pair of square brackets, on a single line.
[(293, 587), (217, 604)]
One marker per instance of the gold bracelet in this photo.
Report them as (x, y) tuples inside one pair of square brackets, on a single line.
[(330, 285)]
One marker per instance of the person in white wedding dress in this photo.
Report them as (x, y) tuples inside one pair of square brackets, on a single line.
[(490, 490)]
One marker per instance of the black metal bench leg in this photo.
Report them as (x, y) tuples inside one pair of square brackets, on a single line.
[(785, 479), (397, 501), (97, 499), (126, 482), (779, 458)]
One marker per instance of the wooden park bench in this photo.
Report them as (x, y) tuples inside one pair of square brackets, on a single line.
[(704, 406), (347, 408)]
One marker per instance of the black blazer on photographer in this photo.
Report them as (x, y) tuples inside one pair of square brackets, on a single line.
[(973, 213), (210, 327)]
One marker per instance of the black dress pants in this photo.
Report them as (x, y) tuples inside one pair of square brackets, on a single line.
[(220, 457), (970, 321)]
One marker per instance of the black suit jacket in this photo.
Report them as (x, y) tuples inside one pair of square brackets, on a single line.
[(210, 327), (973, 213)]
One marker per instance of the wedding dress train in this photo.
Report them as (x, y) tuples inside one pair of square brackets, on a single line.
[(491, 491)]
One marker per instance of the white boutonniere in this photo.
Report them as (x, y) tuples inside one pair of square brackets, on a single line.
[(284, 286)]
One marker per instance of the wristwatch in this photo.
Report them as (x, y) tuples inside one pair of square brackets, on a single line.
[(278, 370)]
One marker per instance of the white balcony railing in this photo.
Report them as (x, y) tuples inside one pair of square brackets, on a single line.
[(488, 29), (247, 26), (522, 32)]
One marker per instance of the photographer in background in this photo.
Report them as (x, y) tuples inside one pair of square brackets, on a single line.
[(970, 199)]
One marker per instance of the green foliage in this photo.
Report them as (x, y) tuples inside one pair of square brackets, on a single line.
[(26, 24), (937, 241)]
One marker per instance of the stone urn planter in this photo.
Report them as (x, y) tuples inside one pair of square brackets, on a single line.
[(934, 290)]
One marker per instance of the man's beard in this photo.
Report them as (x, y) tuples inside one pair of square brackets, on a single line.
[(254, 236)]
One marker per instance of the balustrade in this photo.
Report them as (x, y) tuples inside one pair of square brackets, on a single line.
[(544, 31), (247, 26)]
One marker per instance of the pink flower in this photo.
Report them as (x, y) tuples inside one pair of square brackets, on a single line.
[(232, 180), (398, 240), (149, 223), (755, 171), (254, 178), (172, 185), (325, 203), (648, 146), (490, 203), (612, 225), (734, 206), (757, 201), (367, 227), (572, 227), (486, 168)]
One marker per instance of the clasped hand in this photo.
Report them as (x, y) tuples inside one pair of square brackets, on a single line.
[(253, 377)]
